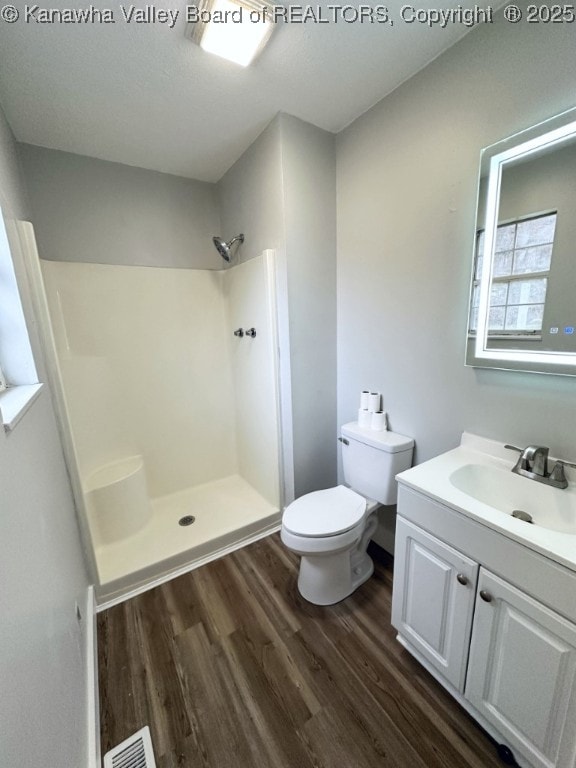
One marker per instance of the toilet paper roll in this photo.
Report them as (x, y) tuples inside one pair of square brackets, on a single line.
[(379, 421), (365, 400), (374, 402), (364, 418)]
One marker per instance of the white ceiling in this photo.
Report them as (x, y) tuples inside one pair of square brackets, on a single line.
[(144, 95)]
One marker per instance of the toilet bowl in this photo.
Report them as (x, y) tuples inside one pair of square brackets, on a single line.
[(331, 529)]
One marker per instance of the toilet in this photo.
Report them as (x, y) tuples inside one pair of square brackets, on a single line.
[(331, 529)]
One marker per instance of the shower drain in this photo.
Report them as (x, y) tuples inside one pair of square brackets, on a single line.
[(186, 520)]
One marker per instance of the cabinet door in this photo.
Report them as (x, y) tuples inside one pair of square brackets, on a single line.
[(433, 599), (522, 672)]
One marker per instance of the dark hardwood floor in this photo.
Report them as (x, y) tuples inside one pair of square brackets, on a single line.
[(229, 666)]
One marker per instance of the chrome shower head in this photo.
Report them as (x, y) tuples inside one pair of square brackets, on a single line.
[(223, 247)]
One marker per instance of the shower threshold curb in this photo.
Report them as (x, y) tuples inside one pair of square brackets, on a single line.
[(121, 597)]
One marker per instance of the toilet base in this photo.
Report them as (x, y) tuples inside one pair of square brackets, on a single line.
[(329, 578)]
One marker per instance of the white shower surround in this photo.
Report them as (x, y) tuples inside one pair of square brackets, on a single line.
[(156, 386)]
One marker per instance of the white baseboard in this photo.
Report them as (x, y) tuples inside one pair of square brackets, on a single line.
[(93, 703)]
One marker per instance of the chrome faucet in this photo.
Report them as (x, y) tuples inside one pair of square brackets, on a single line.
[(533, 463), (534, 458)]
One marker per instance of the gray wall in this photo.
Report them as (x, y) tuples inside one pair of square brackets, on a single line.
[(251, 197), (309, 180), (281, 194), (43, 702), (107, 213), (406, 195)]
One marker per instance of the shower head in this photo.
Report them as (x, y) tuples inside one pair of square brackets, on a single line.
[(223, 247)]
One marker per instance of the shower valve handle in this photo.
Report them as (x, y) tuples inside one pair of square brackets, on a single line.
[(239, 332), (251, 332)]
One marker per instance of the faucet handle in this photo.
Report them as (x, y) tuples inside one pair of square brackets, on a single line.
[(557, 475), (565, 463), (521, 464)]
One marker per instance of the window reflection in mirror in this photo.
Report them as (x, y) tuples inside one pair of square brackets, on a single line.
[(521, 267)]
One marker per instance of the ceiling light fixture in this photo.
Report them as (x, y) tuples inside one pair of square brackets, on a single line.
[(237, 30)]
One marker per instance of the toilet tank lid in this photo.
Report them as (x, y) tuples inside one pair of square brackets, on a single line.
[(384, 441)]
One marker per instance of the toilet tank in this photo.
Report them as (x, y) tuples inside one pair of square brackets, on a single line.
[(372, 460)]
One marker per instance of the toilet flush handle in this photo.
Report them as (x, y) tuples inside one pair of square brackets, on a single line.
[(344, 441)]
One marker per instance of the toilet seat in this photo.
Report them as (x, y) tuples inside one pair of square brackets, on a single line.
[(324, 514)]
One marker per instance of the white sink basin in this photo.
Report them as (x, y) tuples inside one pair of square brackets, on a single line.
[(548, 507), (476, 479)]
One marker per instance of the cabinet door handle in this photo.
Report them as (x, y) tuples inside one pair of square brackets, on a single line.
[(462, 579), (486, 596)]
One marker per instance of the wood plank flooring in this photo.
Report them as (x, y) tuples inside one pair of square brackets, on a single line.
[(230, 667)]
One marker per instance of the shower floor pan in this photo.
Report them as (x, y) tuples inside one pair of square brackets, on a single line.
[(227, 513)]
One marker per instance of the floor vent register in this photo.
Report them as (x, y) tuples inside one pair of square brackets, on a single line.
[(134, 752)]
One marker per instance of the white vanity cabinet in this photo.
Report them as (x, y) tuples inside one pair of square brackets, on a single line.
[(522, 672), (499, 646), (433, 599)]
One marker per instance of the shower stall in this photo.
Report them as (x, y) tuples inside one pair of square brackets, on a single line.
[(171, 420)]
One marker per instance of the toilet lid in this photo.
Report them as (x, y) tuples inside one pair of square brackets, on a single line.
[(325, 513)]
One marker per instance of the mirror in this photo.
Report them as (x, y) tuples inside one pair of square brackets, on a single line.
[(523, 289)]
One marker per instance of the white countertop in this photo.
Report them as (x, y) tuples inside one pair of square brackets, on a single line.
[(432, 478)]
